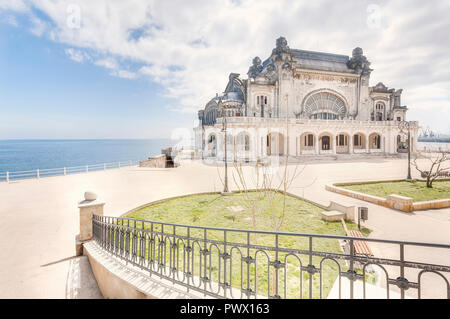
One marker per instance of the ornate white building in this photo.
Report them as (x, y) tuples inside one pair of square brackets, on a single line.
[(301, 103)]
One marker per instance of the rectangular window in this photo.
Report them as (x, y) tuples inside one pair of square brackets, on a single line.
[(310, 140)]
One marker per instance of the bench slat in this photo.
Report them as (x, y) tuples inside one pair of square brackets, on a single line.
[(361, 247)]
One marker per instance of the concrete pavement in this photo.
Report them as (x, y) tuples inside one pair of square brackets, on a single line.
[(40, 217)]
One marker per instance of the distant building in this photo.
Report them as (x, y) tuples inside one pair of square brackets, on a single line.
[(304, 103)]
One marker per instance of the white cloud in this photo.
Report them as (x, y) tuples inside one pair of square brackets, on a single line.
[(191, 47), (39, 27), (108, 63), (15, 5), (125, 74), (114, 66), (10, 19), (77, 55)]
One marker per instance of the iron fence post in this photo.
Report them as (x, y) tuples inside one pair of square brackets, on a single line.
[(352, 255), (402, 269), (310, 265)]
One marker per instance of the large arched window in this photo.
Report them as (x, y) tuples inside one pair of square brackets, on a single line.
[(325, 105)]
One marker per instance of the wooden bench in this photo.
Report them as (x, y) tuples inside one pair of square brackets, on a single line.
[(361, 247)]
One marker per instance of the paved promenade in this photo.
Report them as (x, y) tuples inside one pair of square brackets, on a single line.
[(40, 217)]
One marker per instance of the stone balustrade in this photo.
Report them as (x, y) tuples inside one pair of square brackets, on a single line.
[(280, 121)]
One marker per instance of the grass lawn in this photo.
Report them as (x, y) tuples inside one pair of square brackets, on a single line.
[(418, 191), (300, 217)]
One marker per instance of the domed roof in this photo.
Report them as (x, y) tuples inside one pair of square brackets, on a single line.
[(233, 96)]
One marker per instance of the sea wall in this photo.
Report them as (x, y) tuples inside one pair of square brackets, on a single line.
[(157, 161)]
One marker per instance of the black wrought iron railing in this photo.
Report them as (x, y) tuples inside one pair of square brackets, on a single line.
[(234, 263)]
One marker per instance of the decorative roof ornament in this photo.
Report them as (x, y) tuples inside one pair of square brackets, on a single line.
[(256, 68), (270, 68), (359, 62), (380, 87), (281, 46), (286, 66), (397, 98)]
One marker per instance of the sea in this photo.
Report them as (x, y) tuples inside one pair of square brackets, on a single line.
[(24, 155)]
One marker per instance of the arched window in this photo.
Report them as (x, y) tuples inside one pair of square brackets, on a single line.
[(357, 140), (379, 111), (326, 106), (261, 103), (341, 140), (247, 143), (309, 140), (261, 100)]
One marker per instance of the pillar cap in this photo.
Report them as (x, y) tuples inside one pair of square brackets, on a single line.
[(90, 199), (89, 195)]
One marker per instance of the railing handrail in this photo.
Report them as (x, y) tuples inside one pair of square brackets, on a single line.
[(267, 232), (63, 170), (180, 255)]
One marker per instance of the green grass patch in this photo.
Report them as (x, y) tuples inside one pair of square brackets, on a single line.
[(212, 210), (417, 190)]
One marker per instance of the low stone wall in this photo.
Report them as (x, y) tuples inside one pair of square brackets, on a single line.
[(432, 204), (157, 162), (402, 203), (349, 211)]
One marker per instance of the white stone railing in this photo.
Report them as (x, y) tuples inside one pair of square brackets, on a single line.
[(281, 121), (49, 172)]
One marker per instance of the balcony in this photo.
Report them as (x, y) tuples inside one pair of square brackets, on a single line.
[(282, 121)]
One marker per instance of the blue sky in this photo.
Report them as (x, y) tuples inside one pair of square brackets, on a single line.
[(143, 68), (45, 94)]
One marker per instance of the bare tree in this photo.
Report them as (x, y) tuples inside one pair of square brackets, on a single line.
[(268, 182), (437, 168)]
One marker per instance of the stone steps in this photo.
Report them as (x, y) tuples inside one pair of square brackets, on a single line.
[(332, 215)]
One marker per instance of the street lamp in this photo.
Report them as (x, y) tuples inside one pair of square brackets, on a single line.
[(402, 126), (224, 130)]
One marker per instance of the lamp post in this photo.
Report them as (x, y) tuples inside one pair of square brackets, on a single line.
[(224, 130), (407, 125)]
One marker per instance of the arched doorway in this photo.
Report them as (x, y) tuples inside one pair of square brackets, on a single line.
[(307, 143), (325, 143), (402, 144), (275, 144), (243, 146), (359, 143), (212, 145), (374, 141)]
